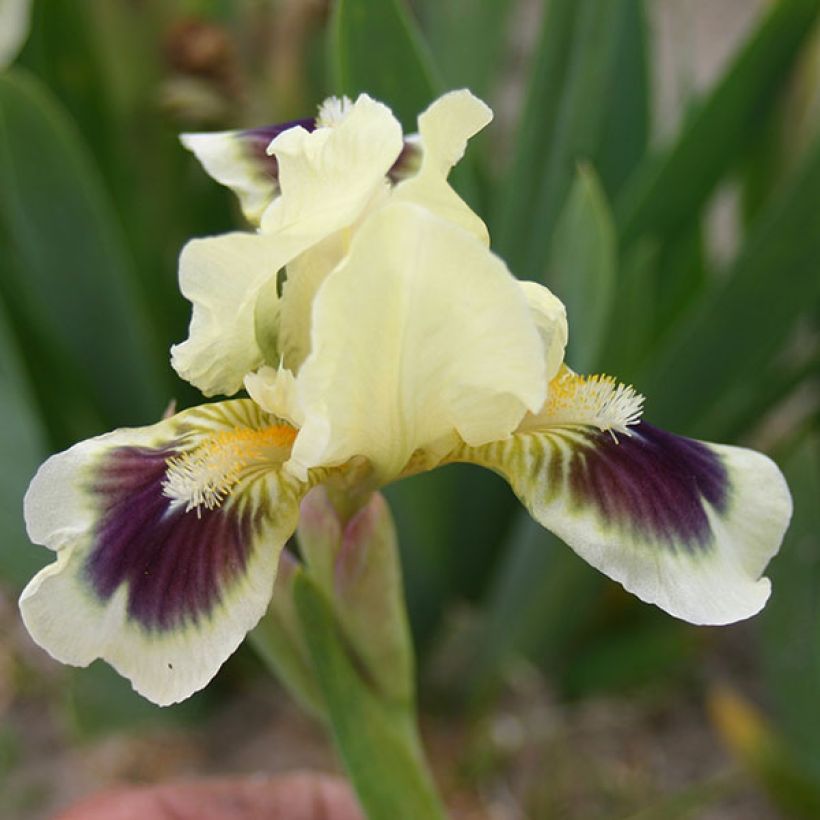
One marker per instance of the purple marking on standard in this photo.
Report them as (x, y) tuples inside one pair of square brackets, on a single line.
[(653, 483), (408, 157), (175, 564), (258, 140)]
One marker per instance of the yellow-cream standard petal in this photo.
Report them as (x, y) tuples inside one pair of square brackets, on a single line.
[(420, 334), (444, 129), (167, 541), (683, 524), (421, 175), (327, 176), (223, 277)]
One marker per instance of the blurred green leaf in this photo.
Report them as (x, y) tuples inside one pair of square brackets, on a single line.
[(745, 320), (681, 279), (629, 335), (748, 402), (561, 126), (67, 277), (98, 701), (763, 753), (543, 596), (790, 624), (103, 61), (626, 123), (649, 650), (468, 39), (479, 522), (776, 148), (62, 53), (22, 447), (582, 267), (534, 132), (423, 506), (671, 191), (377, 47)]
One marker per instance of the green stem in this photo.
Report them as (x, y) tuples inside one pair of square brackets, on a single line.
[(377, 740)]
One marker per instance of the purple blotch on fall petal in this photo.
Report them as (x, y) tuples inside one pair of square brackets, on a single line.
[(653, 485), (174, 563)]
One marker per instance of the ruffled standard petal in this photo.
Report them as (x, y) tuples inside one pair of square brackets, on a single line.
[(682, 524), (223, 276), (239, 161), (444, 129), (167, 541), (419, 333), (328, 176)]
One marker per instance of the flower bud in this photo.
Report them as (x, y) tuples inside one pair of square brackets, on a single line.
[(356, 563)]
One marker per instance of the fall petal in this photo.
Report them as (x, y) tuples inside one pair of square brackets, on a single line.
[(161, 587), (682, 524)]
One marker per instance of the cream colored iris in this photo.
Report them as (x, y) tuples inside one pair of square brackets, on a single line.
[(397, 342)]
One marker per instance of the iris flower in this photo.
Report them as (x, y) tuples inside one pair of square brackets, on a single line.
[(377, 336)]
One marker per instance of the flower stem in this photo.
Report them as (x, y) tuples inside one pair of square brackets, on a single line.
[(377, 740)]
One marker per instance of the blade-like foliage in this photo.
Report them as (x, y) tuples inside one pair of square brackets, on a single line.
[(468, 39), (669, 193), (582, 267), (561, 126), (67, 278), (376, 47), (627, 121), (22, 446), (791, 623), (517, 189), (542, 597), (746, 319)]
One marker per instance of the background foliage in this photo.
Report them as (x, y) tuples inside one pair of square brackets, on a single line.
[(720, 331)]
